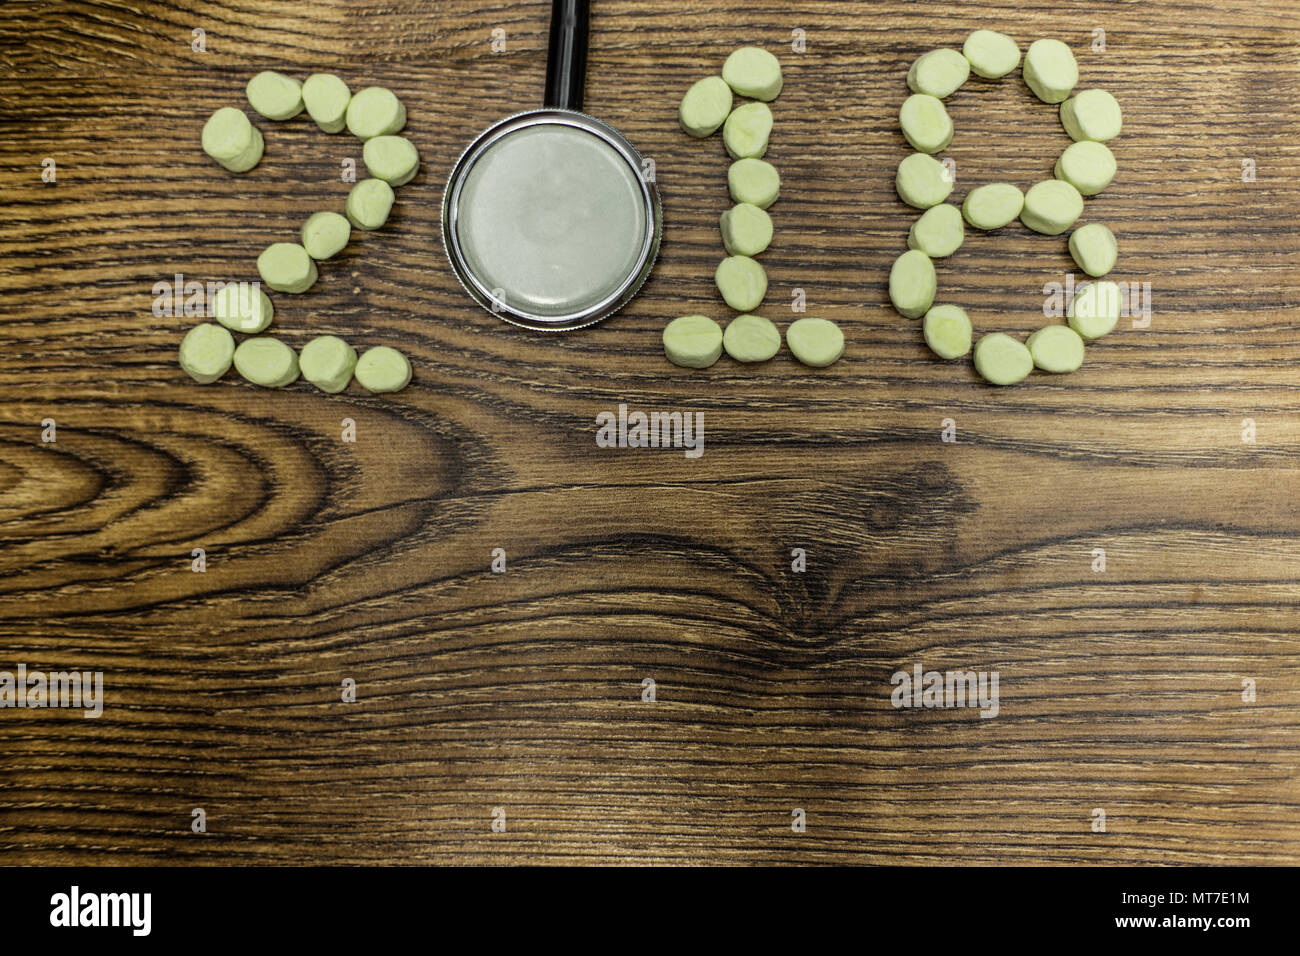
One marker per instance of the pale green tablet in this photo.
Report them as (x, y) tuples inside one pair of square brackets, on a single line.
[(751, 338), (1051, 207), (938, 232), (746, 131), (1094, 249), (382, 369), (926, 123), (1095, 309), (1001, 360), (324, 234), (274, 95), (328, 362), (746, 230), (912, 284), (375, 111), (369, 203), (742, 282), (922, 181), (1050, 70), (938, 73), (947, 331), (991, 54), (267, 362), (326, 98), (753, 72), (243, 307), (993, 206), (754, 181), (230, 139), (249, 157), (815, 342), (705, 106), (1056, 348), (394, 159), (1092, 115), (1088, 167), (693, 341), (286, 267), (206, 352)]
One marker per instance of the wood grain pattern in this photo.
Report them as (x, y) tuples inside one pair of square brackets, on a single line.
[(522, 690)]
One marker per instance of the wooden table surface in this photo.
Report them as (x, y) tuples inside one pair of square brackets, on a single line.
[(1124, 690)]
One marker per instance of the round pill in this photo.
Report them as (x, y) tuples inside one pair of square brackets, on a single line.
[(267, 362), (328, 362), (991, 54), (1092, 115), (938, 73), (746, 131), (250, 157), (1056, 348), (382, 369), (742, 282), (693, 341), (746, 230), (1088, 167), (1094, 249), (753, 72), (274, 95), (230, 139), (326, 98), (206, 352), (751, 338), (926, 123), (369, 203), (286, 267), (324, 234), (1050, 70), (938, 232), (1001, 360), (815, 342), (922, 181), (1051, 207), (912, 284), (705, 106), (1094, 310), (394, 159), (754, 181), (375, 111), (993, 206), (947, 331), (243, 307)]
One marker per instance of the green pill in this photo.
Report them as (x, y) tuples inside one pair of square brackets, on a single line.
[(1093, 116), (753, 72), (1087, 166), (991, 54), (328, 362), (754, 181), (751, 338), (324, 234), (274, 95), (993, 206), (742, 282), (1001, 360), (912, 284), (938, 73), (922, 181), (705, 106), (1051, 207), (206, 352), (1056, 348), (926, 123), (693, 341), (326, 98), (267, 362), (1094, 249), (746, 131), (243, 307), (1094, 310), (375, 111), (1050, 70), (286, 267), (746, 230), (369, 203), (815, 342), (394, 159), (382, 369), (947, 331), (230, 139), (938, 232)]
